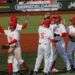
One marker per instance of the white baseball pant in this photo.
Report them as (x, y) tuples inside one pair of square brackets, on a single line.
[(44, 52), (60, 47), (17, 54), (71, 52)]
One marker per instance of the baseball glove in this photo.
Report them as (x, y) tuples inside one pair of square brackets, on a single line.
[(5, 47)]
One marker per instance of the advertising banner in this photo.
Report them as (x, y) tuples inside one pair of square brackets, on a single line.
[(7, 7), (36, 6)]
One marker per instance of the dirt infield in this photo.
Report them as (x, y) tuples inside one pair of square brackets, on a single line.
[(28, 42)]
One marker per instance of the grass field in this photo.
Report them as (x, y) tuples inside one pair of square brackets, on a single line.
[(30, 59), (32, 28)]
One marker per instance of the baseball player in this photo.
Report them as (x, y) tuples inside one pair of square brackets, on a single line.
[(13, 37), (54, 69), (48, 16), (71, 43), (44, 48), (60, 34)]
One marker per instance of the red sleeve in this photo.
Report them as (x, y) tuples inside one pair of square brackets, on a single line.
[(13, 41), (53, 40), (64, 34), (1, 30), (65, 38)]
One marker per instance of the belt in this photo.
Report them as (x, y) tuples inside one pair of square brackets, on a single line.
[(56, 35)]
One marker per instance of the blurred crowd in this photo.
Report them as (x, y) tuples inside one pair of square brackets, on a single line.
[(7, 1)]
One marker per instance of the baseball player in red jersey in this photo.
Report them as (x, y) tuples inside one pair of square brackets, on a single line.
[(44, 48), (60, 34), (13, 37), (71, 43)]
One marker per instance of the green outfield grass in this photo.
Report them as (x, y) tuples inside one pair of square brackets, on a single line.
[(31, 58)]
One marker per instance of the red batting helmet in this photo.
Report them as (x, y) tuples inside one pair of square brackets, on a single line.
[(12, 22), (13, 18), (56, 18)]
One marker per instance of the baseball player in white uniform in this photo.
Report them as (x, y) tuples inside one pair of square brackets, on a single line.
[(71, 43), (60, 33), (44, 48), (13, 37)]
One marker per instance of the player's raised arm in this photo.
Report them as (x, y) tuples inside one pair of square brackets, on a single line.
[(25, 25), (13, 19)]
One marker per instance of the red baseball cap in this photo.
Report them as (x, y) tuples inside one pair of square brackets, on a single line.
[(13, 18)]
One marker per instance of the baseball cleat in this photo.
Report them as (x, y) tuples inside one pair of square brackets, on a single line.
[(55, 70), (35, 73), (47, 73), (24, 66)]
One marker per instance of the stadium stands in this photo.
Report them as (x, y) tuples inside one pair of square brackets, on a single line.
[(3, 1), (7, 1)]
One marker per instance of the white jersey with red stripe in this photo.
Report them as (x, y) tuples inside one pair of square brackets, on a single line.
[(11, 35), (19, 27), (71, 30), (44, 49), (45, 35), (58, 30)]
